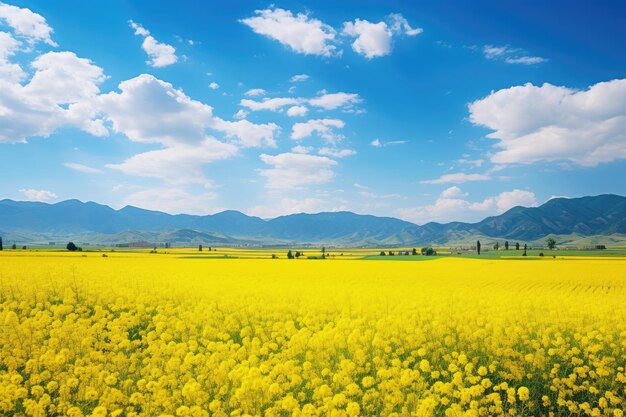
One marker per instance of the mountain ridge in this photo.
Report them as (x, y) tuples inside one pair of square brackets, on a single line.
[(583, 216)]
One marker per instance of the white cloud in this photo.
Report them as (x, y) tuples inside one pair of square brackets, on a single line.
[(59, 94), (323, 127), (178, 164), (510, 55), (249, 135), (454, 208), (457, 178), (453, 192), (291, 170), (474, 162), (551, 123), (9, 72), (173, 200), (39, 195), (360, 186), (302, 149), (82, 168), (297, 111), (214, 86), (161, 54), (377, 143), (241, 114), (331, 101), (400, 25), (336, 153), (299, 78), (253, 92), (525, 60), (286, 206), (327, 101), (300, 32), (375, 39), (372, 39), (26, 24), (271, 104)]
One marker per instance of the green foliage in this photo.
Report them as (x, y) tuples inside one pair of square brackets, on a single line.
[(551, 243)]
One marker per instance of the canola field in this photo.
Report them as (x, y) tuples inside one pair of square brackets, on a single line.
[(161, 335)]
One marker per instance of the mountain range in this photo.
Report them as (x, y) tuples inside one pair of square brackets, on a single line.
[(89, 222)]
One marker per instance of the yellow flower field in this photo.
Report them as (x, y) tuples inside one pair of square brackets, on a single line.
[(159, 335)]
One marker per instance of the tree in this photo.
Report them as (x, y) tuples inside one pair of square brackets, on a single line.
[(200, 248), (506, 245), (1, 247), (428, 251), (298, 254), (14, 246), (496, 246), (289, 254), (382, 253), (23, 247), (516, 245), (525, 249), (478, 246), (551, 243), (414, 251), (72, 247), (391, 253)]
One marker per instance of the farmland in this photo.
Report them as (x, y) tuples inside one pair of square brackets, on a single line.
[(133, 333)]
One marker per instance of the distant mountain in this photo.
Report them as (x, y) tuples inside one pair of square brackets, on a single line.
[(602, 215)]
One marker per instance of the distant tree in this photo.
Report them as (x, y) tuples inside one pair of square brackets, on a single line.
[(209, 249), (382, 253), (428, 251), (289, 254), (70, 246), (391, 253), (1, 247), (414, 251), (23, 247), (200, 248), (525, 249), (598, 247), (478, 246), (551, 243), (496, 246), (506, 245), (541, 254), (298, 254), (274, 256), (14, 246), (516, 245)]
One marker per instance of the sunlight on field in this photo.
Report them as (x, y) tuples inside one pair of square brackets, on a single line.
[(139, 334)]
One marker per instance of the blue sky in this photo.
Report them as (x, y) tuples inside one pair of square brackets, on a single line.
[(434, 110)]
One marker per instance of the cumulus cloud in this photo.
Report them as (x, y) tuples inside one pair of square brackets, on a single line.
[(336, 153), (173, 200), (375, 39), (457, 178), (59, 94), (253, 92), (510, 55), (326, 101), (161, 54), (299, 78), (26, 24), (82, 168), (453, 192), (302, 149), (551, 123), (271, 104), (323, 127), (450, 206), (297, 111), (214, 85), (178, 164), (300, 32), (248, 134), (290, 170), (331, 101), (38, 195)]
